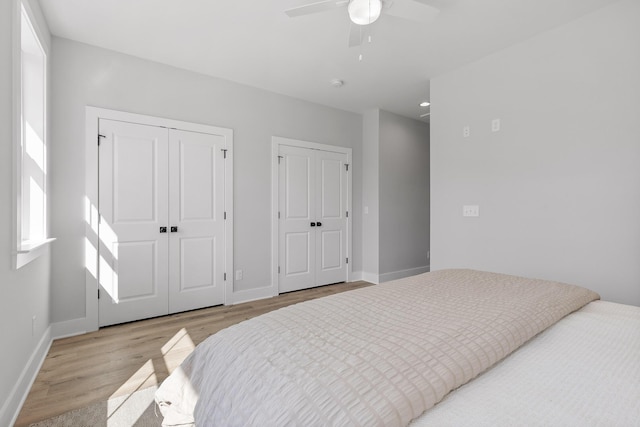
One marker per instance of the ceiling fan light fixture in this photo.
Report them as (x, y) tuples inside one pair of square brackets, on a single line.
[(364, 12)]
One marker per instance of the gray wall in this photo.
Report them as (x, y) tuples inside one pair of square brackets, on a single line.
[(370, 195), (404, 194), (396, 190), (25, 292), (85, 75), (559, 186)]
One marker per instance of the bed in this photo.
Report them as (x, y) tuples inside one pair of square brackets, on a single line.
[(452, 347)]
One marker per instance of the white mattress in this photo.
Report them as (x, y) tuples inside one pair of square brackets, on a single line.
[(583, 371)]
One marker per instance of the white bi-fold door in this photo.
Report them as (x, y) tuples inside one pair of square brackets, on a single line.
[(312, 206), (162, 213)]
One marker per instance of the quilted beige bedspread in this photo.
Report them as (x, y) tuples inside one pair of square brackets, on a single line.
[(378, 356)]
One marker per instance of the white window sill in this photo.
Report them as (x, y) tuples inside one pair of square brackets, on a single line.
[(29, 251)]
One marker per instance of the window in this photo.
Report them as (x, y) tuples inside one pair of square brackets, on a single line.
[(31, 140)]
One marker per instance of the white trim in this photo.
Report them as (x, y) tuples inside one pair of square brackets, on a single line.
[(275, 149), (240, 297), (276, 142), (228, 226), (28, 252), (356, 276), (16, 209), (350, 217), (385, 277), (23, 253), (312, 145), (91, 218), (25, 248), (38, 22), (11, 408), (92, 115), (371, 278)]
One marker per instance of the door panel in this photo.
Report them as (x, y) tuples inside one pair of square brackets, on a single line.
[(197, 179), (298, 187), (331, 250), (196, 267), (196, 208), (135, 172), (133, 188), (297, 249), (331, 191), (137, 264)]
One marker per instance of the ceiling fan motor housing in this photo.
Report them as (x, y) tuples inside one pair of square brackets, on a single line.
[(364, 12)]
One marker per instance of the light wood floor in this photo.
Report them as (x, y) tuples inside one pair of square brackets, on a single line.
[(119, 360)]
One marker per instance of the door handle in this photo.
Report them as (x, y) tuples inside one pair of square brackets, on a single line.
[(163, 229), (174, 229), (319, 224), (313, 224)]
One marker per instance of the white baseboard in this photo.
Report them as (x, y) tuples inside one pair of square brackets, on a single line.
[(239, 297), (355, 276), (69, 328), (385, 277), (11, 408), (371, 277)]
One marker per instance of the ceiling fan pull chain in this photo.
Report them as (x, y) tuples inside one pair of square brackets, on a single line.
[(369, 41), (360, 38)]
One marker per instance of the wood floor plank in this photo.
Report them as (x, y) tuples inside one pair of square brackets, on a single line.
[(121, 359)]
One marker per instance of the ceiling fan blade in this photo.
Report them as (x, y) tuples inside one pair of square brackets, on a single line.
[(355, 35), (316, 7), (438, 4), (416, 10)]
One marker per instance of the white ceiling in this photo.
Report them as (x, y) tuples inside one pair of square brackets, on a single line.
[(253, 42)]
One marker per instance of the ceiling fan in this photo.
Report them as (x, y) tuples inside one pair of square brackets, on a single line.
[(365, 12)]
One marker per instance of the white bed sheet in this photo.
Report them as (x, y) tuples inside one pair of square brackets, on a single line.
[(375, 356), (582, 371)]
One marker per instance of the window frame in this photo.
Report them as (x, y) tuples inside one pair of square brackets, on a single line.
[(25, 251)]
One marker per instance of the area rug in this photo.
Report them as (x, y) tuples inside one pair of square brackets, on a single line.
[(137, 409)]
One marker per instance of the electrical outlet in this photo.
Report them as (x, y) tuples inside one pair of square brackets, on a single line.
[(466, 131), (471, 210), (495, 125), (238, 274)]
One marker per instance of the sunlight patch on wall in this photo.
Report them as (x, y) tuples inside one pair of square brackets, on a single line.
[(90, 258), (91, 215)]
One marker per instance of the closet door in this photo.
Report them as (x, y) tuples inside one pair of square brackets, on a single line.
[(313, 225), (331, 221), (196, 210), (297, 248), (133, 190)]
